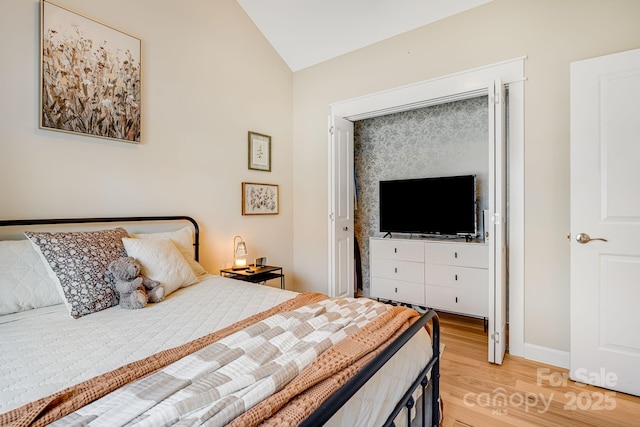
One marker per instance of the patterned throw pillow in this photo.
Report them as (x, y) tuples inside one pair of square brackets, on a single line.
[(77, 262)]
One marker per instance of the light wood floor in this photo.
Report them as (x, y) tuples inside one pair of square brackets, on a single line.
[(519, 392)]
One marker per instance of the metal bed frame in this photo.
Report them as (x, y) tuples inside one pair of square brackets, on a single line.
[(428, 379)]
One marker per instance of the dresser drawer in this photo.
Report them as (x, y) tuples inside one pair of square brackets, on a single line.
[(467, 255), (456, 277), (406, 250), (398, 270), (466, 301), (397, 290)]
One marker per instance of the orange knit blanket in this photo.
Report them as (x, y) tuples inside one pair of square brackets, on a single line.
[(328, 373)]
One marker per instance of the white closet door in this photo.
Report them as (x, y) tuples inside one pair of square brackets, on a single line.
[(496, 228), (605, 204), (341, 255)]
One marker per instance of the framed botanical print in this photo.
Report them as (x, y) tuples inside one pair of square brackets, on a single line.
[(259, 199), (259, 151)]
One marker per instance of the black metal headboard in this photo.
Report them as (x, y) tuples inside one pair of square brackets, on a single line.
[(196, 239)]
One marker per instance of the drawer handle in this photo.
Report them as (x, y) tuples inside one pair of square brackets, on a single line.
[(455, 254), (396, 269), (456, 277), (396, 290), (456, 299), (395, 250)]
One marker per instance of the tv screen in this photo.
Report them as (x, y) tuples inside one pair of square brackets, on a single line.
[(441, 205)]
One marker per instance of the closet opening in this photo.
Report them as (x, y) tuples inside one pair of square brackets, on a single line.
[(488, 83)]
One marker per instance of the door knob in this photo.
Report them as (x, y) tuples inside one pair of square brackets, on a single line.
[(345, 228), (585, 238)]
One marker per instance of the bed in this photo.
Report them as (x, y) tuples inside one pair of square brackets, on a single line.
[(69, 357)]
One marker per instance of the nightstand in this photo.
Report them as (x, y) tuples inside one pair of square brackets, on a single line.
[(261, 275)]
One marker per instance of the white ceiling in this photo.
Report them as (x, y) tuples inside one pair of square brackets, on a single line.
[(307, 32)]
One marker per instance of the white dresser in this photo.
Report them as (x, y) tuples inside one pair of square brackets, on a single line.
[(457, 277), (445, 275), (397, 270)]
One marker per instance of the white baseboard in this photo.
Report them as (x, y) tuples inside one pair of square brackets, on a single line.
[(547, 355)]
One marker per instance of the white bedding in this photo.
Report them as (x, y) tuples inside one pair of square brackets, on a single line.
[(45, 350)]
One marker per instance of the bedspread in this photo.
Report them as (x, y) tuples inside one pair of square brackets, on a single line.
[(48, 409), (43, 351)]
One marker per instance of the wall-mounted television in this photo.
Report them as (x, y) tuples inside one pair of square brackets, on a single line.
[(430, 206)]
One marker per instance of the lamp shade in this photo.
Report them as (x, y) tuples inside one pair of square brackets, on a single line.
[(239, 253), (241, 249)]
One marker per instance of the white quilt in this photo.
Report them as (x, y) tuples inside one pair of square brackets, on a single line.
[(45, 350)]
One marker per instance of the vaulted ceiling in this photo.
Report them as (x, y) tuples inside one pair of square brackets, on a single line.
[(307, 32)]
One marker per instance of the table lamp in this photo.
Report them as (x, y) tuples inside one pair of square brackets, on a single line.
[(239, 253)]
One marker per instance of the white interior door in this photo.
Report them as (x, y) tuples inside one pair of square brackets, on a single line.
[(605, 204), (496, 238), (341, 260)]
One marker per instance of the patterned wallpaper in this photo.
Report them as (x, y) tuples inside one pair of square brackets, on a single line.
[(442, 140)]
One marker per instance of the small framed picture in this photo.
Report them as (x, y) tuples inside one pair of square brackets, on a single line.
[(259, 199), (259, 151)]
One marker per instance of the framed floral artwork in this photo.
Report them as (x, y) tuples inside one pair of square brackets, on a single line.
[(259, 199), (90, 76), (259, 151)]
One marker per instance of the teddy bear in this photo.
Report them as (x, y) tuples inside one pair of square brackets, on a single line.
[(135, 289)]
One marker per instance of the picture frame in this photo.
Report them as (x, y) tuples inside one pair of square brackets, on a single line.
[(259, 151), (260, 199), (90, 80)]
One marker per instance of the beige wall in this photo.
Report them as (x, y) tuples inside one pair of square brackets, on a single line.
[(551, 33), (209, 76)]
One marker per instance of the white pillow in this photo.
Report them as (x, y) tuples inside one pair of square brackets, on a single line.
[(161, 261), (24, 281), (183, 239)]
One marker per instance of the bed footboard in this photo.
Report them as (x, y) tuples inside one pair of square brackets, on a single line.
[(424, 380)]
